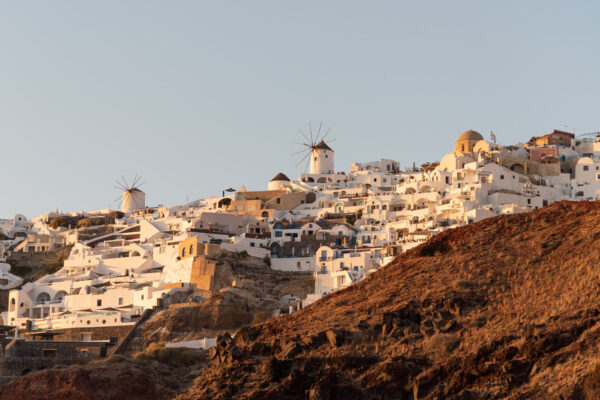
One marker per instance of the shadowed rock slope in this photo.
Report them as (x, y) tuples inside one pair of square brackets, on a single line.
[(505, 308)]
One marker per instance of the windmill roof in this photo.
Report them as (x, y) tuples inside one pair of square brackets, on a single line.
[(280, 177), (323, 146)]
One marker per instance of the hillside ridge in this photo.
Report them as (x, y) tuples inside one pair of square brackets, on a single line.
[(506, 308)]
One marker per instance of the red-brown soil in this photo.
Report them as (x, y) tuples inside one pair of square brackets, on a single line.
[(118, 378), (505, 308)]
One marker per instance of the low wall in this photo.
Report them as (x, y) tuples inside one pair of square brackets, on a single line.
[(294, 264), (98, 333)]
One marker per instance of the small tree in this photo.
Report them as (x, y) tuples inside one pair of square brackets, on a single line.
[(261, 317)]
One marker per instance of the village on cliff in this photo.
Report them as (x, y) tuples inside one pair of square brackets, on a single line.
[(339, 226)]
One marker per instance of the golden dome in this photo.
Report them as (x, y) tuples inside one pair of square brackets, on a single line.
[(470, 135)]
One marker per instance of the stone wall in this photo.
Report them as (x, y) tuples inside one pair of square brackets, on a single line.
[(20, 356), (97, 333)]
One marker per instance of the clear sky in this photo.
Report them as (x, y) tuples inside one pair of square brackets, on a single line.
[(200, 96)]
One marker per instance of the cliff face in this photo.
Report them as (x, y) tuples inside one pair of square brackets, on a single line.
[(505, 308), (119, 378), (257, 289)]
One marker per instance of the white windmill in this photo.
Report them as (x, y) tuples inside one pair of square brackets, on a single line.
[(319, 154), (132, 197)]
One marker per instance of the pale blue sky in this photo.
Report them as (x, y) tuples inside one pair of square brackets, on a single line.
[(199, 96)]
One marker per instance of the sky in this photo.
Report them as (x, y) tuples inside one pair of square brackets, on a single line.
[(200, 96)]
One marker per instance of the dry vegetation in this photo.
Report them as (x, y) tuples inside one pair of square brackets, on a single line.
[(505, 308)]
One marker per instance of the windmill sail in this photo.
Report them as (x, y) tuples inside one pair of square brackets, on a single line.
[(132, 197), (315, 152)]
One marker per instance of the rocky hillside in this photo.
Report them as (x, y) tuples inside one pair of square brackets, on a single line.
[(158, 374), (257, 289), (505, 308)]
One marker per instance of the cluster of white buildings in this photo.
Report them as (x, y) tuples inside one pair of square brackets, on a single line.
[(341, 226)]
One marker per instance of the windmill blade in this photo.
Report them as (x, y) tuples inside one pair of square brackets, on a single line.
[(300, 151), (312, 142), (125, 180), (329, 141), (141, 184), (304, 158), (302, 133), (301, 144), (307, 163), (135, 180), (326, 133), (319, 131)]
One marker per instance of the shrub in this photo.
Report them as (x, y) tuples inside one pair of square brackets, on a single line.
[(20, 270), (261, 317), (173, 356), (440, 345), (51, 267), (62, 222)]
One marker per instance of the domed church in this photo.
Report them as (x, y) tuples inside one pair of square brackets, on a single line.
[(467, 140)]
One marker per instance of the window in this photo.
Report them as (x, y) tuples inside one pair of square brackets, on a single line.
[(501, 176), (278, 234), (183, 252), (191, 249), (120, 301), (251, 244), (49, 353), (528, 201), (585, 168), (99, 302)]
